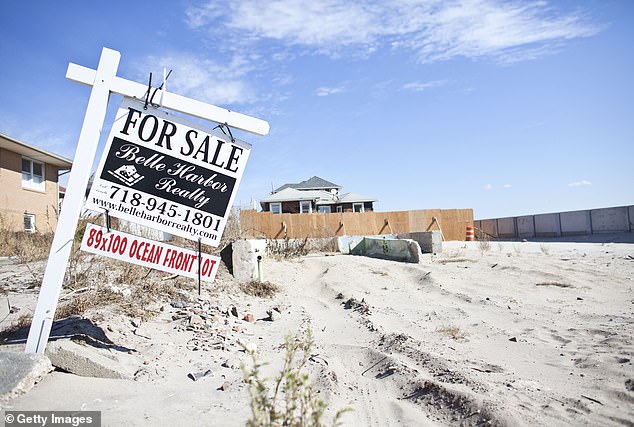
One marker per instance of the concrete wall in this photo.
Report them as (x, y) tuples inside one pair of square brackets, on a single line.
[(547, 225), (346, 244), (525, 226), (429, 241), (574, 223), (406, 250), (506, 227), (610, 220)]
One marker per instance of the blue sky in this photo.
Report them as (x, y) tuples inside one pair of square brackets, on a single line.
[(506, 107)]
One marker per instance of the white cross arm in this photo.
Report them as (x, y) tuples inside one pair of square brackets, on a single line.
[(121, 86)]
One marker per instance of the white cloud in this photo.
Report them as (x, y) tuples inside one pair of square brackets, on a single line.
[(507, 186), (326, 91), (488, 187), (433, 30), (582, 183), (421, 86), (203, 79)]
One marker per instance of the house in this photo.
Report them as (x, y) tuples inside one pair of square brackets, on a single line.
[(29, 188), (315, 195)]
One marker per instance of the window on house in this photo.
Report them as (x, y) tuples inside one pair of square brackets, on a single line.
[(32, 174), (357, 207), (275, 208), (324, 209), (29, 222), (305, 207), (339, 209)]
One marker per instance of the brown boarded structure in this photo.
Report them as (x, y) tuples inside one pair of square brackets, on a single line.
[(452, 222)]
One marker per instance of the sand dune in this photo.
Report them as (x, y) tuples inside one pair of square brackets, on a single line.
[(516, 334)]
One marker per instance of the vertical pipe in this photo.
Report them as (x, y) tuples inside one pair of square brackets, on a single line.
[(199, 262)]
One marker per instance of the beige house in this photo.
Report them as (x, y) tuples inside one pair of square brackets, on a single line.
[(29, 188)]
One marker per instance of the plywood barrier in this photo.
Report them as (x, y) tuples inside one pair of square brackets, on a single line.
[(452, 223)]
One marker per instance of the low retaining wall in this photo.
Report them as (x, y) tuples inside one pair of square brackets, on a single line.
[(429, 241), (405, 250), (563, 224)]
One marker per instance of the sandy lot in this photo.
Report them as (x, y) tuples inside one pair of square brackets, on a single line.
[(516, 334)]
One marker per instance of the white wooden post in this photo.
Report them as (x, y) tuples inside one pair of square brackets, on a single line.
[(67, 222), (104, 81)]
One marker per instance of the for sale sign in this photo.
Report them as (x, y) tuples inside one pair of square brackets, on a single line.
[(149, 253), (164, 172)]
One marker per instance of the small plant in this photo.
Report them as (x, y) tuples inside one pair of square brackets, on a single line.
[(291, 399), (484, 245), (453, 331), (259, 289), (458, 253)]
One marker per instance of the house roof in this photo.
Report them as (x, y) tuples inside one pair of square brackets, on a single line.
[(321, 197), (291, 194), (35, 153), (314, 183), (356, 198)]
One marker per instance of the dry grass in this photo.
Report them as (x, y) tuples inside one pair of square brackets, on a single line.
[(260, 289), (453, 331), (287, 248)]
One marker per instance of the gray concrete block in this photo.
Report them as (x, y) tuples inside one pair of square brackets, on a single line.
[(429, 241), (346, 244), (405, 250), (245, 258), (19, 372), (88, 361)]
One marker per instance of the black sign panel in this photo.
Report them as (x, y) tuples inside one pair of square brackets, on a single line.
[(176, 180)]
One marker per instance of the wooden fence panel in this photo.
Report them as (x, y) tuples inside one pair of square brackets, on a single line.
[(452, 223)]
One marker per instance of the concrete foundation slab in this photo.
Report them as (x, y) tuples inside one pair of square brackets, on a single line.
[(88, 361), (346, 244), (19, 372), (405, 250), (429, 241)]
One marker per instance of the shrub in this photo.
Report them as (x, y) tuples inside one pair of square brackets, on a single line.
[(291, 399)]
